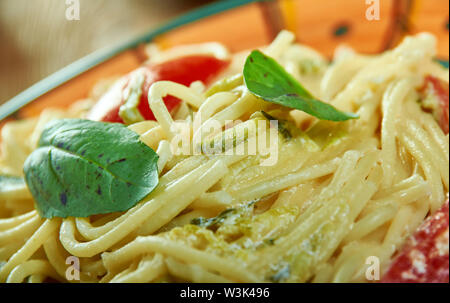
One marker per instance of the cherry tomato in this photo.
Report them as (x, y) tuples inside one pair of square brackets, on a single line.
[(424, 259), (440, 89), (184, 70)]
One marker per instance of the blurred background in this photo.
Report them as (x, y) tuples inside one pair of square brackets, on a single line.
[(36, 39)]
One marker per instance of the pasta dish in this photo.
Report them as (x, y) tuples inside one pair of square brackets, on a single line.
[(270, 165)]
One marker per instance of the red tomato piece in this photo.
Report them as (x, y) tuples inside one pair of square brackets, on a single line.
[(424, 259), (184, 70), (107, 108), (440, 89)]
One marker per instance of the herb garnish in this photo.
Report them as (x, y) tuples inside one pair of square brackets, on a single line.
[(282, 125), (267, 79), (83, 167), (217, 221), (212, 222)]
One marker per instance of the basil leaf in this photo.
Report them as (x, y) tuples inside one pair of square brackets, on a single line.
[(82, 168), (266, 79)]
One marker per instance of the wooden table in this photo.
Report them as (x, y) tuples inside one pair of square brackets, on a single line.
[(36, 39)]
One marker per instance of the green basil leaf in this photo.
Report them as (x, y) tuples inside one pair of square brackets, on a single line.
[(82, 168), (266, 79)]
